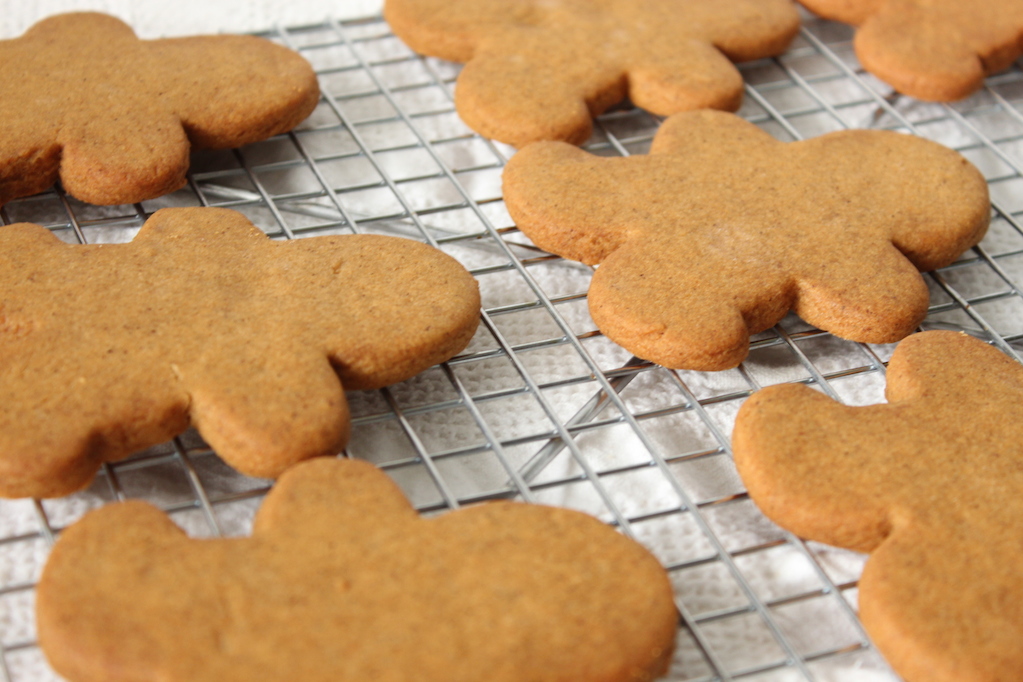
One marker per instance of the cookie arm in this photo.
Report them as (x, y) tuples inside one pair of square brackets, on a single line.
[(390, 307), (89, 594), (263, 409), (952, 367), (144, 155), (229, 91), (925, 198), (754, 29), (29, 162), (876, 297), (51, 465), (328, 497), (21, 244), (572, 203), (708, 136), (949, 210), (806, 462)]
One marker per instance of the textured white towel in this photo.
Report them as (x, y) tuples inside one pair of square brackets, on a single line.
[(158, 18)]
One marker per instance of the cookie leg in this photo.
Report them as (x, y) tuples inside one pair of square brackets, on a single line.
[(28, 160), (914, 586), (52, 466), (137, 151), (697, 76), (261, 415), (100, 420), (545, 185), (682, 309), (918, 55), (878, 298), (533, 93)]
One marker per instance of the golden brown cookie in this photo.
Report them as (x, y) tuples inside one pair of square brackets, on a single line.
[(202, 320), (935, 50), (721, 230), (929, 484), (115, 117), (342, 581), (539, 69)]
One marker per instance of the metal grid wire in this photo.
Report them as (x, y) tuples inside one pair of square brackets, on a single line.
[(541, 407)]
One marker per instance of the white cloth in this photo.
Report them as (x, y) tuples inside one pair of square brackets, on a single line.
[(161, 18)]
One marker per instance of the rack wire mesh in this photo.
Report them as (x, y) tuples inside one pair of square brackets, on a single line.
[(541, 407)]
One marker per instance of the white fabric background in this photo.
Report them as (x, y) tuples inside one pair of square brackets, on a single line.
[(158, 18)]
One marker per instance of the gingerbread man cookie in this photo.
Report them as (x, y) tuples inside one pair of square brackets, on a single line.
[(721, 230), (929, 484), (115, 117), (202, 320), (540, 69), (342, 581), (935, 50)]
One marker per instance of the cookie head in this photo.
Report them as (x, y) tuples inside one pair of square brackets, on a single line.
[(114, 117), (928, 484), (721, 230), (540, 69), (935, 50), (203, 320), (342, 581)]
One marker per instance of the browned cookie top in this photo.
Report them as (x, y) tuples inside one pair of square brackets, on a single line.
[(722, 229), (341, 581), (936, 50), (929, 484), (203, 320), (115, 116), (538, 69)]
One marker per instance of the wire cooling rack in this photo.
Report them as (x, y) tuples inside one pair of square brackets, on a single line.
[(541, 407)]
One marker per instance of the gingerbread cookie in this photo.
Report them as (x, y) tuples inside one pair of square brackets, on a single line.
[(539, 69), (935, 50), (721, 230), (342, 581), (115, 117), (203, 320), (929, 484)]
